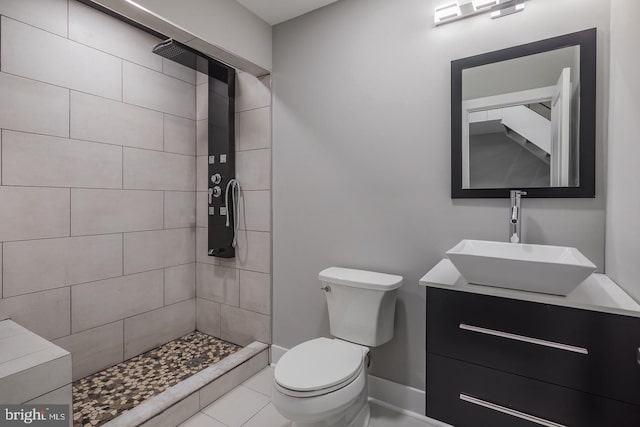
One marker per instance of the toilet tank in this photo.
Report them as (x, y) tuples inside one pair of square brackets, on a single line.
[(362, 304)]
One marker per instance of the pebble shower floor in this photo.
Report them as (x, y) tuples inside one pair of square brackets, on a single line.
[(103, 396)]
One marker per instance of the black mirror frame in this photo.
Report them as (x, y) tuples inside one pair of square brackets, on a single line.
[(587, 149)]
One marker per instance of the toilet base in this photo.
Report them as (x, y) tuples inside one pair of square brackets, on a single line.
[(346, 407), (361, 419)]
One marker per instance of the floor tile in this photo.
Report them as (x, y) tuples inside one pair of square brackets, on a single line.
[(261, 382), (201, 420), (268, 417), (237, 407)]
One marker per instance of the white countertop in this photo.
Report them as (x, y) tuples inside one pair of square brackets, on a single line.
[(598, 292)]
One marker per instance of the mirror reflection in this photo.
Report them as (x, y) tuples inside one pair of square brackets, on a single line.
[(520, 122)]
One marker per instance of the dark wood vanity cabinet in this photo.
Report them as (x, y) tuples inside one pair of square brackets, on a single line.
[(494, 361)]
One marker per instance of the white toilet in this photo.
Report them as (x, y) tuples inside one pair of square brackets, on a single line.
[(323, 382)]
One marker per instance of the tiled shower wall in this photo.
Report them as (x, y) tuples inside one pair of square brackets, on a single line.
[(234, 297), (98, 178)]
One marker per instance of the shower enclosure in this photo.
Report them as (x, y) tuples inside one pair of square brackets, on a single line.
[(117, 146)]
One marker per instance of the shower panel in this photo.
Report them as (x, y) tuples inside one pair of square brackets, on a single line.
[(221, 138)]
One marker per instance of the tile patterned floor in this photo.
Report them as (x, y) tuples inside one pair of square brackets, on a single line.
[(104, 395), (249, 405)]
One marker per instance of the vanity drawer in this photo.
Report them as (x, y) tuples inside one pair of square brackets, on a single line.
[(581, 349), (467, 395)]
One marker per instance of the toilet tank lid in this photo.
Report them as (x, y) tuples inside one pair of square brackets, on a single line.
[(360, 278)]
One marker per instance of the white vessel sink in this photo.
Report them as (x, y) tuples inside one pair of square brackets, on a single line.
[(546, 269)]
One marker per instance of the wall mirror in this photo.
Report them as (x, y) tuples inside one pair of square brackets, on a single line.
[(524, 118)]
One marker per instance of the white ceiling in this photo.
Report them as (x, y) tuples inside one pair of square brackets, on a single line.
[(277, 11)]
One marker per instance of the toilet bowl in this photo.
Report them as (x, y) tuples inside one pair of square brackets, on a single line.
[(323, 382)]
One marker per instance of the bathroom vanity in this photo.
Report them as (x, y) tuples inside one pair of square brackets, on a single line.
[(499, 357)]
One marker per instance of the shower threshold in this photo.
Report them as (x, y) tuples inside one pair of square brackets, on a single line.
[(165, 385)]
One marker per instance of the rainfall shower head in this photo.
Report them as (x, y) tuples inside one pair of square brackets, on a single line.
[(182, 54)]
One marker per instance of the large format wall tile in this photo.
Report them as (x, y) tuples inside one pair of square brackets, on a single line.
[(242, 327), (252, 92), (179, 209), (151, 170), (37, 265), (253, 169), (148, 330), (98, 119), (49, 58), (44, 313), (179, 283), (255, 211), (105, 301), (158, 91), (202, 101), (208, 317), (32, 106), (114, 211), (94, 349), (172, 68), (149, 250), (219, 284), (31, 159), (202, 177), (33, 213), (202, 209), (253, 251), (255, 291), (254, 129), (99, 30), (179, 135), (202, 245), (202, 137), (50, 15)]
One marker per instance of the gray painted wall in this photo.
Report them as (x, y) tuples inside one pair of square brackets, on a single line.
[(361, 148), (623, 205)]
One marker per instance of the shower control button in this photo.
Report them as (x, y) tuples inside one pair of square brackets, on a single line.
[(212, 160), (223, 158), (212, 211), (217, 191), (223, 211), (216, 178)]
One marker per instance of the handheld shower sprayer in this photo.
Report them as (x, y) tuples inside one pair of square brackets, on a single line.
[(234, 186)]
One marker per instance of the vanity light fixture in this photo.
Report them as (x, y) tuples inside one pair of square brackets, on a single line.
[(458, 10), (481, 4), (447, 12)]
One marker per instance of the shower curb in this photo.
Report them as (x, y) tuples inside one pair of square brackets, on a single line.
[(181, 401)]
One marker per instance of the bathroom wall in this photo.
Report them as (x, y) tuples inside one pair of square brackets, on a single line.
[(361, 157), (97, 195), (234, 296), (623, 175)]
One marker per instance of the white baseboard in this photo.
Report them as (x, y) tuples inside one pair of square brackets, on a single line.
[(276, 353), (431, 421), (399, 397)]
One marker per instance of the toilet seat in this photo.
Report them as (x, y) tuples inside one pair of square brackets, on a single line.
[(319, 366)]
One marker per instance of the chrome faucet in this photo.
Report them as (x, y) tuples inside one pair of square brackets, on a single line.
[(516, 213)]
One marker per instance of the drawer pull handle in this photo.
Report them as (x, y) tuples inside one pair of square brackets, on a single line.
[(508, 411), (522, 338)]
